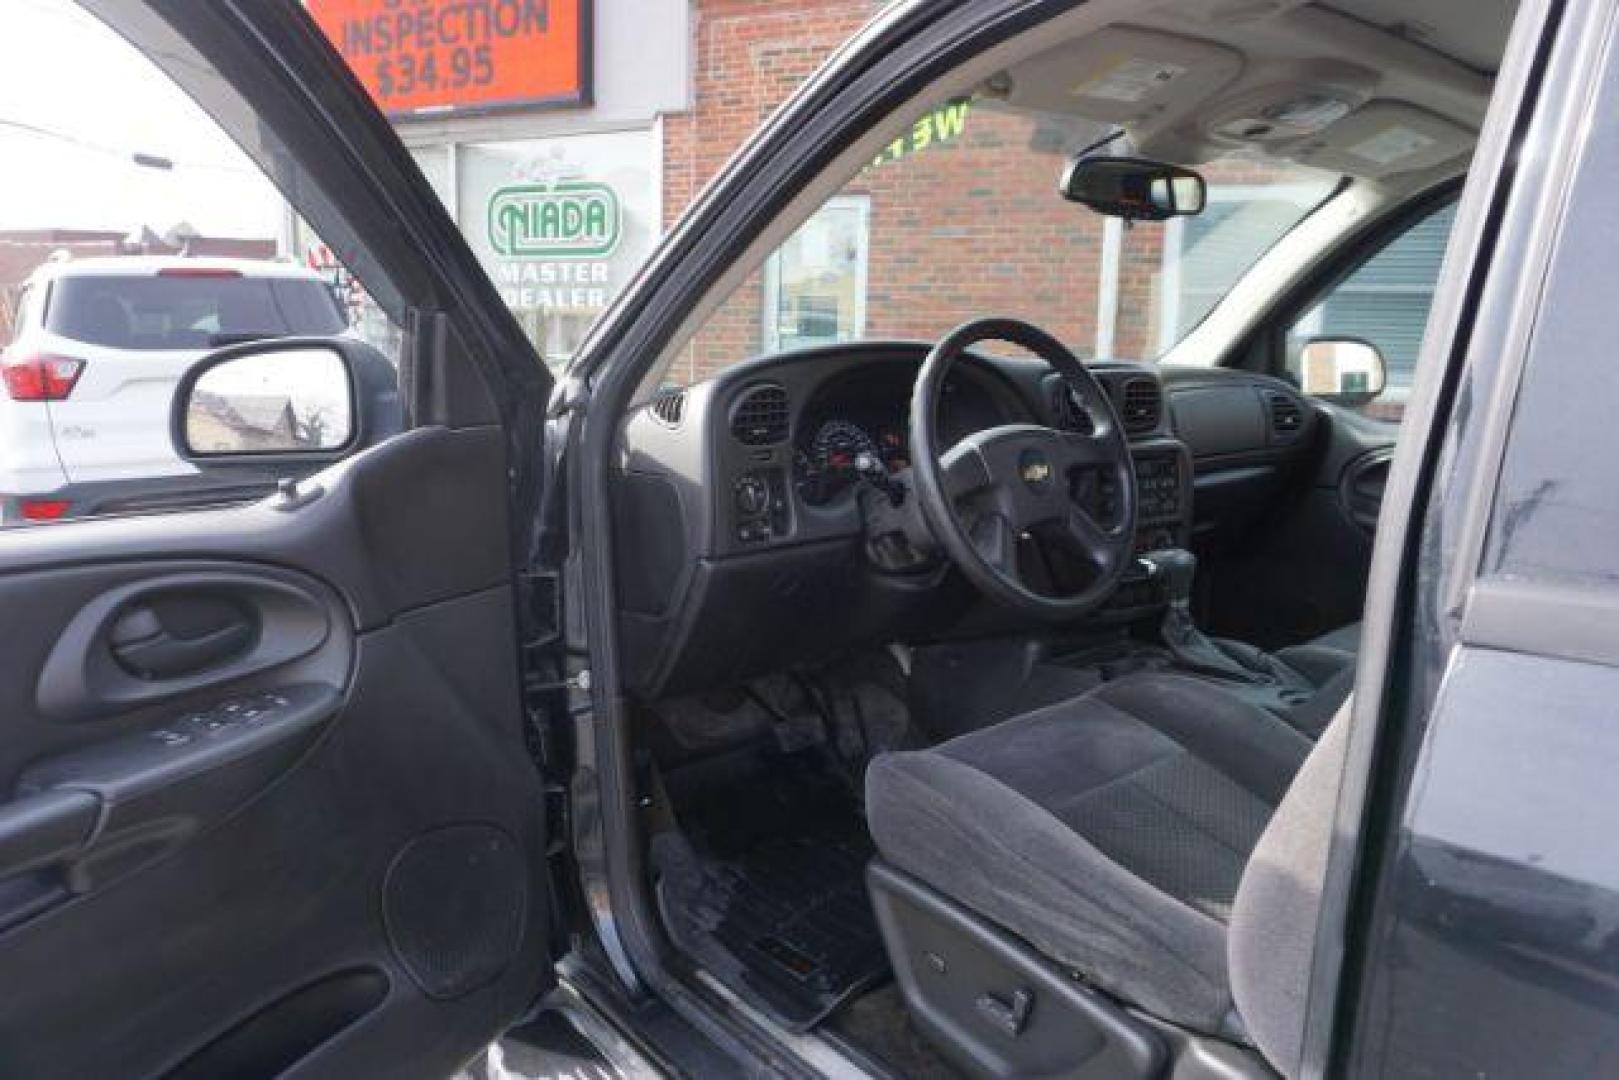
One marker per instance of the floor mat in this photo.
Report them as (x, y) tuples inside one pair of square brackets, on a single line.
[(764, 886)]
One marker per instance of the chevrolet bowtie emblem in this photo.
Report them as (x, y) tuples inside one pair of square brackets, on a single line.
[(1034, 468)]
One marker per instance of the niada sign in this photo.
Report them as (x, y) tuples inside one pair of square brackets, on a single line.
[(568, 219), (560, 222)]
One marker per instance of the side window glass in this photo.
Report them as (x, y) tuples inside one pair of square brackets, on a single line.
[(1384, 304), (135, 240)]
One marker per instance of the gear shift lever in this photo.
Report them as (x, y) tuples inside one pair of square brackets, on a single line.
[(1191, 647), (1176, 568)]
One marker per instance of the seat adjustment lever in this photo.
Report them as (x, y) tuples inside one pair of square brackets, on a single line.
[(1012, 1018)]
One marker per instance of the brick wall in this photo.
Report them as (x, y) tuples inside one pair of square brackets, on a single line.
[(749, 56)]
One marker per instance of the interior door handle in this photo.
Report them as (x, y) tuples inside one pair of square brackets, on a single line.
[(146, 649)]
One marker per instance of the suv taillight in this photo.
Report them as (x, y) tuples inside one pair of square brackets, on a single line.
[(40, 378)]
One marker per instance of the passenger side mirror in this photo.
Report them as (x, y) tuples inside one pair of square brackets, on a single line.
[(286, 400), (1135, 189), (1347, 371)]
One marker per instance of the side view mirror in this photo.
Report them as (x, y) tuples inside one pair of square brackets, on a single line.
[(1135, 189), (1348, 371), (269, 402)]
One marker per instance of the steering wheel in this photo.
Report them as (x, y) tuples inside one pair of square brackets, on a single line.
[(994, 486)]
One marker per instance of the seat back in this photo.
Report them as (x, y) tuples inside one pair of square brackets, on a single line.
[(1271, 941)]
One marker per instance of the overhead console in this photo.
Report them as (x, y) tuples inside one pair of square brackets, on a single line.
[(1126, 76), (1298, 81), (1385, 138)]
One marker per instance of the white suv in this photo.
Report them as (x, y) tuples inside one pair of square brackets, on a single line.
[(88, 379)]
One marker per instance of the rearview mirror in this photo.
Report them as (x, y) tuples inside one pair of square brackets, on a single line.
[(1135, 189), (288, 399), (1348, 371)]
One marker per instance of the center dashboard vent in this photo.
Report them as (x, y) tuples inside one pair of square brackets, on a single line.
[(1141, 406), (1286, 415), (760, 416)]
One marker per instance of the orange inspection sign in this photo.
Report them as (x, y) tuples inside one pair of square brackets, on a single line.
[(455, 56)]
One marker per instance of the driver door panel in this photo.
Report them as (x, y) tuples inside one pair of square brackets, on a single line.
[(264, 804)]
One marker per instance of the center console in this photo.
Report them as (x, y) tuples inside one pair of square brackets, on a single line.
[(1164, 492), (1163, 470), (1240, 669)]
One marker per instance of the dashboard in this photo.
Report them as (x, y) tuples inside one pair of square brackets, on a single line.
[(744, 504), (742, 538)]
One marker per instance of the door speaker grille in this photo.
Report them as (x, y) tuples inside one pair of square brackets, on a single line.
[(454, 902)]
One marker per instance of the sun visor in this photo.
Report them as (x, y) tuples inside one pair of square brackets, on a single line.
[(1125, 76), (1386, 138)]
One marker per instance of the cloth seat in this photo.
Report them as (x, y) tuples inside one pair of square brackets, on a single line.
[(1328, 663), (1322, 668), (1110, 832)]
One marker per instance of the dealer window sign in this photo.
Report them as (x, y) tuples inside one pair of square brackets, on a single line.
[(567, 218), (437, 57), (561, 224)]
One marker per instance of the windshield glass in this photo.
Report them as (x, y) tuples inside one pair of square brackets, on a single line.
[(961, 218)]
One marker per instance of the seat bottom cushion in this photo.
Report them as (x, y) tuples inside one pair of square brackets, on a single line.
[(1109, 832), (1323, 659), (1329, 663)]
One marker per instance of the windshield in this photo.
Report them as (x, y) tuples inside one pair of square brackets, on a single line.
[(961, 218)]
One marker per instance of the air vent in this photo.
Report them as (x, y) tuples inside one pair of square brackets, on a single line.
[(1140, 406), (1286, 415), (759, 417), (668, 406), (1066, 408)]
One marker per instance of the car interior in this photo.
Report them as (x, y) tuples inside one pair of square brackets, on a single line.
[(984, 686)]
